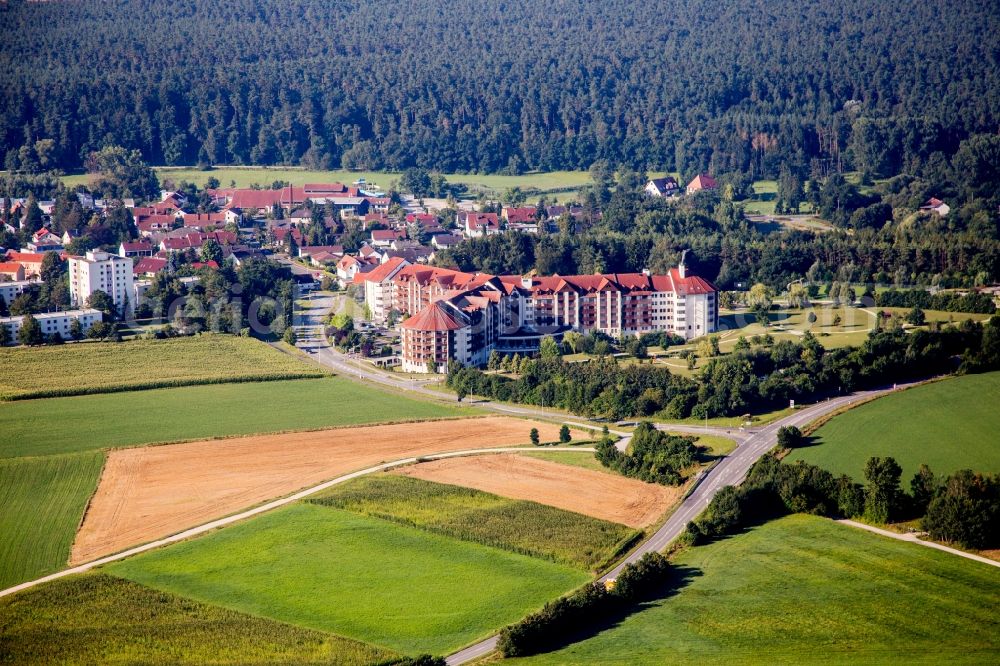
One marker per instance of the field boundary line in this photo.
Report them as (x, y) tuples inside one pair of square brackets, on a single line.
[(912, 538), (263, 508)]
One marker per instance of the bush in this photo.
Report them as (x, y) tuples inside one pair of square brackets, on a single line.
[(564, 436), (789, 437), (590, 605)]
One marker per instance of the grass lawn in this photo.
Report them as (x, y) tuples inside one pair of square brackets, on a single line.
[(472, 515), (90, 422), (99, 367), (584, 459), (41, 504), (951, 424), (365, 578), (244, 177), (807, 590), (99, 619)]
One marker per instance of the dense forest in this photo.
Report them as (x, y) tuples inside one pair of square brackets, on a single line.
[(473, 85)]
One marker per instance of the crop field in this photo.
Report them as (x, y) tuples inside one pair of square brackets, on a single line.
[(471, 515), (41, 504), (949, 425), (365, 578), (806, 590), (100, 367), (151, 492), (100, 619), (90, 422), (601, 495)]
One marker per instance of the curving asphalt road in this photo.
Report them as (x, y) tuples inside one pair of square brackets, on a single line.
[(729, 472)]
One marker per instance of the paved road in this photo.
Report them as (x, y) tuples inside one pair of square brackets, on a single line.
[(913, 538), (270, 506), (729, 472)]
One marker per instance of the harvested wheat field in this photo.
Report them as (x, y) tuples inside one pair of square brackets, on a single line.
[(597, 494), (151, 492)]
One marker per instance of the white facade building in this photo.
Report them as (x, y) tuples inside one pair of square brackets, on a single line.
[(11, 290), (101, 271), (54, 322)]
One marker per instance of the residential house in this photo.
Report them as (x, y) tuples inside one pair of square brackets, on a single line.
[(477, 225), (663, 187), (701, 182), (142, 248), (30, 261), (11, 270), (937, 206)]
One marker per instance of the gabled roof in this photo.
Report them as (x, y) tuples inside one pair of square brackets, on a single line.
[(147, 265), (434, 317), (702, 182)]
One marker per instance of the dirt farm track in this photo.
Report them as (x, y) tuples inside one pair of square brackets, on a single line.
[(151, 492), (597, 494)]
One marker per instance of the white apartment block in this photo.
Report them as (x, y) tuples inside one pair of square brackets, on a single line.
[(11, 290), (54, 322), (101, 271)]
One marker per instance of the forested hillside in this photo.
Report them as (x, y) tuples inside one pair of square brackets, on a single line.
[(486, 85)]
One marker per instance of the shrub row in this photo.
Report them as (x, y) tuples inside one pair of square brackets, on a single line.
[(592, 604)]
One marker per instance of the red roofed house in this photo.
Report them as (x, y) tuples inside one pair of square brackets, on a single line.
[(385, 237), (148, 266), (12, 270), (30, 261), (141, 248), (936, 205), (477, 225), (701, 182), (523, 215), (204, 220)]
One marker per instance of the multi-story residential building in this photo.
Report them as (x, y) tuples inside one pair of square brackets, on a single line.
[(54, 322), (105, 272), (465, 316), (11, 290)]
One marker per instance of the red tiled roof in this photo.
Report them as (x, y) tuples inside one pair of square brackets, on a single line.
[(520, 215), (384, 270), (25, 257), (140, 246), (147, 265), (204, 219), (478, 220), (10, 267), (434, 317), (702, 182)]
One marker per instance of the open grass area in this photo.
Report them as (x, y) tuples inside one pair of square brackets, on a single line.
[(365, 578), (41, 503), (515, 525), (244, 177), (90, 422), (950, 424), (100, 619), (100, 367), (807, 590), (584, 459)]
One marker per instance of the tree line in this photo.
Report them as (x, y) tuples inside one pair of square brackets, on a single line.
[(758, 376)]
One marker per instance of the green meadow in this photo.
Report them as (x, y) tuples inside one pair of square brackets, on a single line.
[(472, 515), (949, 425), (364, 578), (806, 590), (100, 619), (41, 504), (91, 422)]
